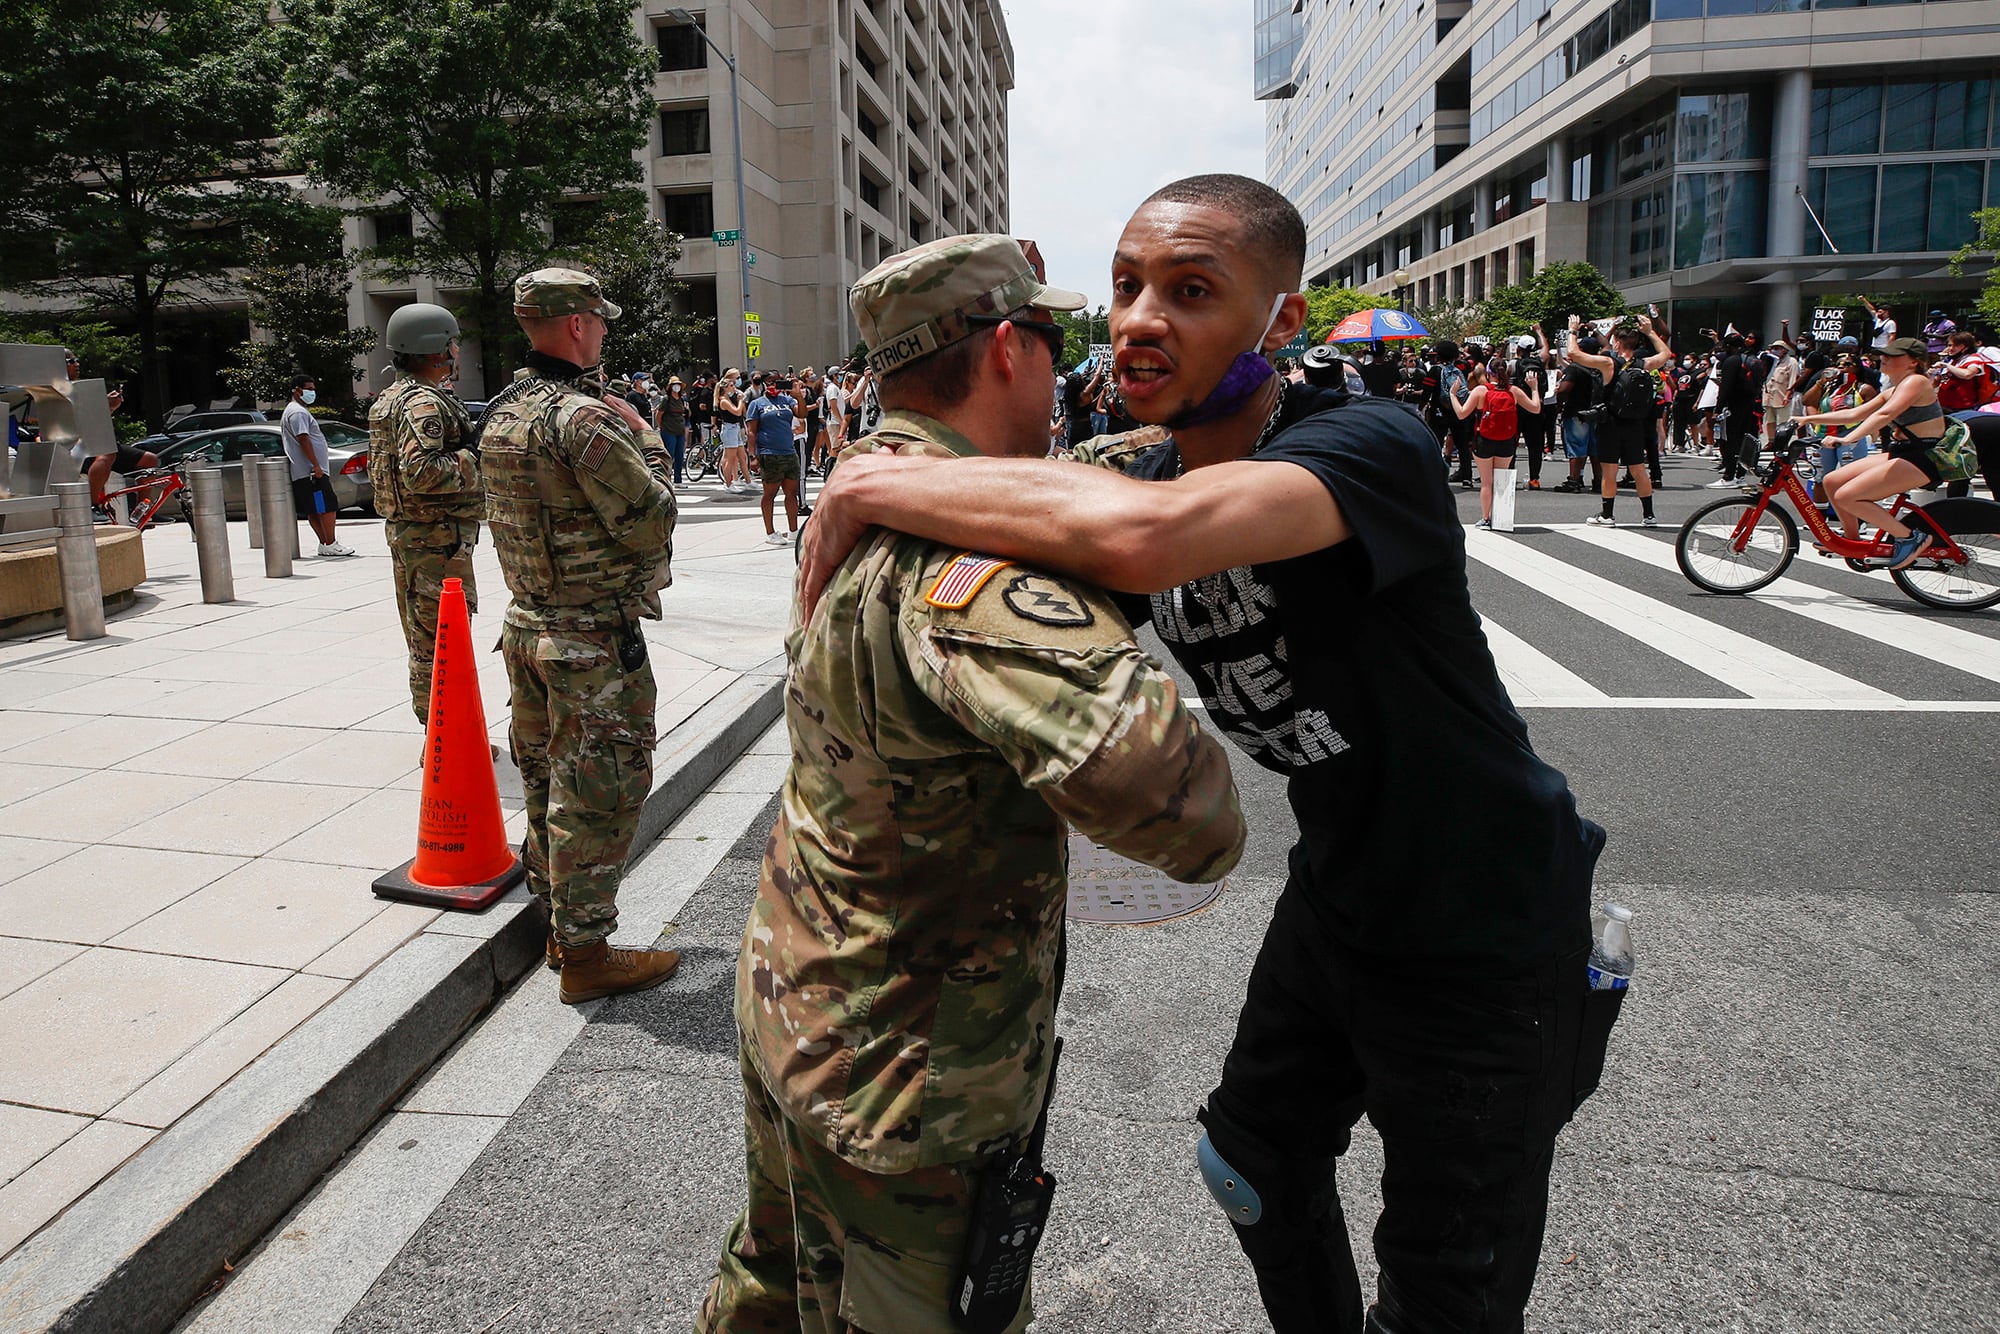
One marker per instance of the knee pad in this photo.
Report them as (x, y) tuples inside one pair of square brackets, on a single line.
[(1238, 1198)]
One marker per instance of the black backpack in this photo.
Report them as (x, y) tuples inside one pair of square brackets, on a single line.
[(1631, 397)]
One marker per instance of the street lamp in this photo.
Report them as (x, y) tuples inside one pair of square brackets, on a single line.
[(1401, 278), (736, 125)]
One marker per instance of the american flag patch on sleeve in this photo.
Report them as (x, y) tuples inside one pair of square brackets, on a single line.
[(593, 454), (963, 578)]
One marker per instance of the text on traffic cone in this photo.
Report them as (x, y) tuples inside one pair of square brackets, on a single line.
[(462, 860)]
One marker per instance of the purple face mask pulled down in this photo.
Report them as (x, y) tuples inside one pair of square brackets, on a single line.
[(1245, 376)]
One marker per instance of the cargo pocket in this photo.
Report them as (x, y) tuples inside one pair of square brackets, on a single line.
[(1600, 1012), (886, 1292)]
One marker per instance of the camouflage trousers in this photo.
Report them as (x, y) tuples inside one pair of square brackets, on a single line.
[(582, 733), (423, 556), (824, 1247)]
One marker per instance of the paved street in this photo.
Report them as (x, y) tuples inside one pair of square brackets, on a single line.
[(1797, 1132)]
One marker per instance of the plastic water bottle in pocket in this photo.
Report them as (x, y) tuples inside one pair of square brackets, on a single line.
[(1611, 948)]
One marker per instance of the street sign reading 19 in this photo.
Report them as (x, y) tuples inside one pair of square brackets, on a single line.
[(730, 237)]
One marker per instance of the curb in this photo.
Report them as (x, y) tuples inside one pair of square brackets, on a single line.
[(146, 1242)]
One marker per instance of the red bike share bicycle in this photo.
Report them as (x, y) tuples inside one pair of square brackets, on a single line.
[(1741, 543), (147, 493)]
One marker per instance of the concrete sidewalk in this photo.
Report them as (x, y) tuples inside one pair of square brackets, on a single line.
[(191, 812)]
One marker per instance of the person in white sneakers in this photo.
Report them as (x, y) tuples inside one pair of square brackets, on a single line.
[(305, 447)]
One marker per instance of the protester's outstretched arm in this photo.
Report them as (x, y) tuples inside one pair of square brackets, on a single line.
[(1135, 536)]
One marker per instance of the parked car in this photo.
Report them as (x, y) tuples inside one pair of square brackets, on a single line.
[(194, 423), (346, 458)]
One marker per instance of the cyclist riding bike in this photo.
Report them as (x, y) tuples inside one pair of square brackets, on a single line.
[(1923, 449)]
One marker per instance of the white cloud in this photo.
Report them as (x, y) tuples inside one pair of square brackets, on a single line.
[(1113, 99)]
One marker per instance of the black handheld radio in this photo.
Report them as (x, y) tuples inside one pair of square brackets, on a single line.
[(1009, 1213)]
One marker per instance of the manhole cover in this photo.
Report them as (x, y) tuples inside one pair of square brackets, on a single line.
[(1105, 887)]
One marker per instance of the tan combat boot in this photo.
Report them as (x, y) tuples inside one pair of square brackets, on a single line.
[(553, 952), (599, 969)]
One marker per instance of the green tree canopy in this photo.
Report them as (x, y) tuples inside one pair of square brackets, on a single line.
[(635, 259), (1987, 244), (1328, 306), (1548, 299), (479, 116), (134, 132), (1080, 329), (298, 279)]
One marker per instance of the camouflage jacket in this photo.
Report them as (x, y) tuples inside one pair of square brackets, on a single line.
[(579, 505), (949, 716), (418, 461)]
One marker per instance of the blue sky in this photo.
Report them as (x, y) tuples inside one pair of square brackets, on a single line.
[(1112, 99)]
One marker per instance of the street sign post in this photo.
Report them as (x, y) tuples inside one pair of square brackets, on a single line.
[(750, 258), (730, 237), (753, 347), (753, 335)]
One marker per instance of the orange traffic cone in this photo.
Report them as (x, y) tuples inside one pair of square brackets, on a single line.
[(462, 860)]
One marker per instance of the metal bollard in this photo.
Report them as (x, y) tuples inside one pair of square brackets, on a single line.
[(211, 534), (253, 498), (76, 559), (280, 524)]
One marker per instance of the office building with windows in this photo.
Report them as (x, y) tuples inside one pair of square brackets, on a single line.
[(868, 126), (1732, 159)]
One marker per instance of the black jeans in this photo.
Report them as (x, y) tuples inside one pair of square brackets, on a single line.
[(1537, 431), (1468, 1084)]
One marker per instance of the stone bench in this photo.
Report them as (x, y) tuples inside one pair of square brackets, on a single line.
[(31, 583)]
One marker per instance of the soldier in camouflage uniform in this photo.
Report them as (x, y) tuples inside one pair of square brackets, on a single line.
[(949, 716), (583, 520), (426, 481)]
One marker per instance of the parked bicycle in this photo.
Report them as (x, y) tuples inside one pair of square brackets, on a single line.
[(146, 493), (703, 458), (1739, 544)]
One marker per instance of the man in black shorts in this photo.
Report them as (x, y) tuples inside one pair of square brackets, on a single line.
[(1306, 566), (1626, 425)]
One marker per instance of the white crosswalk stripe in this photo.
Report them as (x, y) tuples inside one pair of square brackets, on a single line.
[(1766, 676)]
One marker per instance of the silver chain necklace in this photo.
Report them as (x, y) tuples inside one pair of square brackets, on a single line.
[(1263, 436)]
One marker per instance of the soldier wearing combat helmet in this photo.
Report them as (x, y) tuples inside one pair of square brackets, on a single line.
[(426, 481), (583, 520), (949, 716)]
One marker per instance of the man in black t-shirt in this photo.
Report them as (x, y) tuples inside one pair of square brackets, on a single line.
[(1303, 561), (1735, 410)]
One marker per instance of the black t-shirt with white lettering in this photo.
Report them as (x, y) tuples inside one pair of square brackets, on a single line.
[(1429, 830)]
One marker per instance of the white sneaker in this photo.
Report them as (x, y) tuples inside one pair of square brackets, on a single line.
[(1722, 484), (334, 549), (777, 540), (1601, 521)]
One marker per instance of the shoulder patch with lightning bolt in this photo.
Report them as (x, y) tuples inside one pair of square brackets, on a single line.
[(1046, 601)]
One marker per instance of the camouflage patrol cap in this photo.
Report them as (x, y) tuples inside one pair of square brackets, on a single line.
[(916, 303), (561, 292)]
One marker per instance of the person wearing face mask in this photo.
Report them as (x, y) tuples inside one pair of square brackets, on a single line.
[(425, 476), (582, 517), (1299, 554), (305, 446)]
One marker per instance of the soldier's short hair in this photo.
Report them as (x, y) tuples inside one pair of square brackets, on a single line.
[(1272, 227)]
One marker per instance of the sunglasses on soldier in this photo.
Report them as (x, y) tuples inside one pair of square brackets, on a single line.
[(1047, 330)]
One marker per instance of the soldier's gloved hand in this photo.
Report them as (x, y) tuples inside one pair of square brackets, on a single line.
[(838, 522), (628, 412)]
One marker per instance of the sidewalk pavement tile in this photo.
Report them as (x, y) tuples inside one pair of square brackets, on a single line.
[(396, 717), (102, 804), (47, 1188), (27, 1134), (300, 641), (21, 781), (378, 831), (119, 1017), (374, 940), (776, 741), (498, 1064), (226, 750), (166, 1097), (221, 702), (102, 889), (381, 646), (346, 759), (25, 685), (100, 740), (18, 856), (224, 666), (118, 659), (243, 818), (329, 706), (281, 914), (18, 727), (720, 815), (23, 960), (754, 773)]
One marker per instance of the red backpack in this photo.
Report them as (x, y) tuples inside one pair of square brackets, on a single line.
[(1499, 420)]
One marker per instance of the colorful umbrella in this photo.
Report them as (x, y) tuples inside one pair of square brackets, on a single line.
[(1368, 326)]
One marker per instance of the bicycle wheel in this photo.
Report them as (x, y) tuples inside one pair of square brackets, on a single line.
[(700, 461), (1953, 587), (1707, 553)]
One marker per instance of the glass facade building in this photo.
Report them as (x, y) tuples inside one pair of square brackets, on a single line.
[(1743, 156)]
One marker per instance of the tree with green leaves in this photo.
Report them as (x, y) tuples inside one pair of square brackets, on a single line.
[(135, 129), (298, 278), (1548, 299), (1456, 322), (480, 117), (1080, 329), (635, 259), (1328, 306), (1987, 244)]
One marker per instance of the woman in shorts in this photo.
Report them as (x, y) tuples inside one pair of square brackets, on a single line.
[(1499, 403)]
